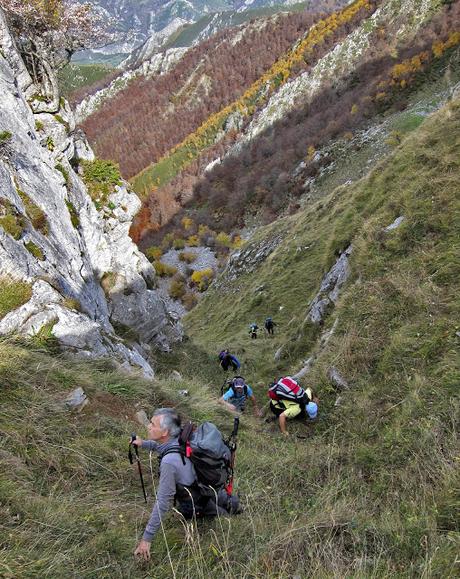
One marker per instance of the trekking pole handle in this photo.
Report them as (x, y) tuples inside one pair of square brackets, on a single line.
[(133, 438)]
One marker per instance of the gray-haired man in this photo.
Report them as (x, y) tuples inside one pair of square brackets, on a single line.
[(176, 472)]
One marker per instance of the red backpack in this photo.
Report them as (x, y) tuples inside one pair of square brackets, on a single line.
[(288, 389)]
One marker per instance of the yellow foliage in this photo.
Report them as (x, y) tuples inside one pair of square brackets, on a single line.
[(202, 278), (177, 289), (310, 153), (167, 241), (187, 223), (354, 109), (224, 239), (154, 252), (163, 269), (193, 241), (237, 242), (179, 243)]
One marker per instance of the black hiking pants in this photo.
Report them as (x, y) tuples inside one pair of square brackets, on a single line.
[(208, 507)]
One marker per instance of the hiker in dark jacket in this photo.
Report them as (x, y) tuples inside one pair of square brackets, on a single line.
[(270, 326), (176, 474), (227, 360), (253, 331)]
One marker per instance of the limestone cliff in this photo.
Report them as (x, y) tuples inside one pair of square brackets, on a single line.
[(87, 276)]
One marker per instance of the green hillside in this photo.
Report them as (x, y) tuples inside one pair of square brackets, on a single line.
[(74, 76), (367, 491)]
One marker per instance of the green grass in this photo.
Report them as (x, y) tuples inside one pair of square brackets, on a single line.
[(369, 493), (75, 76), (33, 249), (34, 213), (162, 172), (5, 137), (11, 221), (101, 177), (75, 220), (395, 342), (60, 120), (13, 294)]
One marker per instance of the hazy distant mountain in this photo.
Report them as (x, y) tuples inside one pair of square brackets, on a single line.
[(137, 20)]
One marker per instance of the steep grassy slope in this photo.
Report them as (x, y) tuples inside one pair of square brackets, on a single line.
[(369, 494), (396, 341)]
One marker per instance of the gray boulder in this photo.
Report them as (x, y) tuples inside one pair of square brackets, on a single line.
[(337, 380)]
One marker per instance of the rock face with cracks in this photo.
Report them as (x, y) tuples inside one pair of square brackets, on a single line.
[(330, 288), (88, 278)]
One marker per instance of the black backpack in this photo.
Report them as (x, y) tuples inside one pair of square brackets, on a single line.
[(209, 453)]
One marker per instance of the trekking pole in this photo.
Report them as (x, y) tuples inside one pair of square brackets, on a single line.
[(131, 460), (232, 445), (236, 423)]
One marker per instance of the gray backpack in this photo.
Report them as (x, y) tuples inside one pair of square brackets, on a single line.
[(209, 453)]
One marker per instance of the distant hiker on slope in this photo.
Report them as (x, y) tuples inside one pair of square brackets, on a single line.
[(253, 331), (226, 360), (289, 400), (235, 397), (179, 479), (270, 326)]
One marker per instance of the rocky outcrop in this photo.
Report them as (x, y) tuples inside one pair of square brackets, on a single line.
[(396, 223), (330, 287), (152, 45), (337, 380), (54, 237), (245, 260)]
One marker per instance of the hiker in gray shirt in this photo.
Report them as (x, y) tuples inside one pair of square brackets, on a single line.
[(176, 472)]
